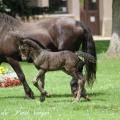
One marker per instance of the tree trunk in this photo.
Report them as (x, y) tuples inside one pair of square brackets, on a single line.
[(114, 48)]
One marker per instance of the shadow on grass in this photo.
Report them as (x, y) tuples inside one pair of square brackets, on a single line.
[(69, 95), (62, 98), (12, 97), (60, 95), (95, 95), (98, 96)]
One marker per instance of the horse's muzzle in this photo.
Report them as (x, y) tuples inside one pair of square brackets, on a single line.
[(23, 57)]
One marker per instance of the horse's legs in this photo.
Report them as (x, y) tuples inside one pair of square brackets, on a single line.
[(83, 92), (40, 77), (80, 80), (15, 65), (81, 88), (74, 83), (74, 89), (39, 83)]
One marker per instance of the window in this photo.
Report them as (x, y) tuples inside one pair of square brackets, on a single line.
[(48, 6), (58, 6), (92, 4)]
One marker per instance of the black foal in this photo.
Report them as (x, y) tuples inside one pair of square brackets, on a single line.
[(45, 60)]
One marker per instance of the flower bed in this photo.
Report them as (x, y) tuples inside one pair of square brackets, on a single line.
[(8, 78)]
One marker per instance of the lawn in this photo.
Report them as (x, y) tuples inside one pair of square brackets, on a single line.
[(105, 95)]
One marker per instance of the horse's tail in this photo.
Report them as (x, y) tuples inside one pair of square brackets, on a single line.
[(88, 46), (86, 56)]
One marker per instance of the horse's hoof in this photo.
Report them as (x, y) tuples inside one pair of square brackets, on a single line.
[(29, 95), (42, 98), (47, 94)]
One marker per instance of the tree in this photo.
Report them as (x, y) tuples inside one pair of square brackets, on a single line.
[(15, 7), (114, 48), (2, 6)]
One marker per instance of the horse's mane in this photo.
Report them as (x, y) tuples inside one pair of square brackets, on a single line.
[(8, 22)]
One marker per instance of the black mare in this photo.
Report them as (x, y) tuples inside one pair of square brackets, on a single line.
[(54, 34)]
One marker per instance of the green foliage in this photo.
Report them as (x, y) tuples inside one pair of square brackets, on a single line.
[(14, 7), (2, 7)]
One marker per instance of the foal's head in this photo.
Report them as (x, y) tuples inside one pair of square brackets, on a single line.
[(25, 51), (29, 48)]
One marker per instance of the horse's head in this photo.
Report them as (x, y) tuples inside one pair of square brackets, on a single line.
[(28, 48), (26, 45), (25, 51)]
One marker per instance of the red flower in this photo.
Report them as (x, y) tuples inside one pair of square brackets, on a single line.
[(10, 82)]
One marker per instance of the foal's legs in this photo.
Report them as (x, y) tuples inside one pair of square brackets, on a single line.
[(80, 84), (74, 83), (40, 77), (83, 93), (80, 88), (80, 80), (39, 83), (15, 65)]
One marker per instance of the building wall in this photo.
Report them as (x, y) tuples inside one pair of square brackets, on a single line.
[(105, 17), (74, 8), (105, 11), (39, 3)]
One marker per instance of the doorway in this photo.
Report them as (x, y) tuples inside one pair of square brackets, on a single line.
[(89, 14)]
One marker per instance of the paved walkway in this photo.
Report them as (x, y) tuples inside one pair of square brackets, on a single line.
[(101, 38)]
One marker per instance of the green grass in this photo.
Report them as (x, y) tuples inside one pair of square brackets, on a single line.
[(104, 104), (102, 46)]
